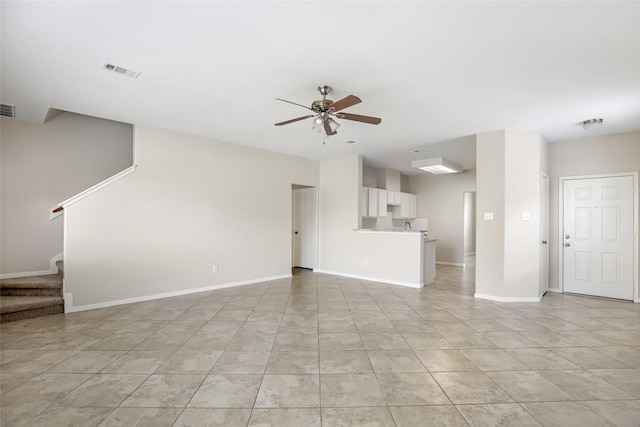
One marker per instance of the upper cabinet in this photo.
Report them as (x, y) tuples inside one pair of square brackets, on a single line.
[(408, 207), (375, 201)]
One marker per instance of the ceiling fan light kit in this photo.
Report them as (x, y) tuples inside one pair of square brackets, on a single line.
[(592, 124), (325, 110)]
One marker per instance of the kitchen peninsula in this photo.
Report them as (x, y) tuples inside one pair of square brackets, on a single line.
[(413, 260)]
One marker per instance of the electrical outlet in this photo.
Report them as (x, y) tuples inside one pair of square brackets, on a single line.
[(366, 262), (214, 269), (526, 216), (488, 216)]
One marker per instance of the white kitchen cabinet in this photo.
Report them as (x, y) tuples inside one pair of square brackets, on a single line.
[(373, 203), (364, 202), (408, 208), (382, 203), (394, 198)]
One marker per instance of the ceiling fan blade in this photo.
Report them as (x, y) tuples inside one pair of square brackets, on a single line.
[(359, 118), (344, 103), (295, 120), (328, 130), (299, 105)]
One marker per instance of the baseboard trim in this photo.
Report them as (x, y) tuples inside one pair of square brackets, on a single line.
[(72, 309), (373, 279), (455, 264), (53, 269), (507, 299)]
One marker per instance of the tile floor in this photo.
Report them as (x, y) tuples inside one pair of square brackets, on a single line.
[(332, 351)]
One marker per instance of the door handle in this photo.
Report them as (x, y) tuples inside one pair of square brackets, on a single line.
[(295, 232), (544, 242), (567, 244)]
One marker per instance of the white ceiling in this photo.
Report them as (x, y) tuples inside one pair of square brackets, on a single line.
[(435, 72)]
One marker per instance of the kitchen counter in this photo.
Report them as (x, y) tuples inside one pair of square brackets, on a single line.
[(395, 230)]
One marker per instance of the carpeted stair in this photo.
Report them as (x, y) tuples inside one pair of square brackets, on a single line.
[(28, 297)]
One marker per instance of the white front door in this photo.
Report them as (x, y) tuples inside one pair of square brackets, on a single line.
[(304, 228), (598, 236)]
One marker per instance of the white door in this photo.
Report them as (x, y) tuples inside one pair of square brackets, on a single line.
[(544, 234), (598, 236), (304, 228)]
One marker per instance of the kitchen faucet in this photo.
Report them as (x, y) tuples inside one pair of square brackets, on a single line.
[(407, 225)]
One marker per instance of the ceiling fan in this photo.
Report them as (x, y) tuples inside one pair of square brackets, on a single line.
[(325, 110)]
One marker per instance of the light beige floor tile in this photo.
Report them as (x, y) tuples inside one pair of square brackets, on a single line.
[(241, 362), (76, 341), (493, 359), (189, 362), (147, 327), (286, 391), (445, 360), (192, 417), (7, 356), (541, 358), (441, 416), (411, 389), (67, 416), (462, 340), (345, 362), (138, 362), (428, 341), (470, 387), (227, 391), (588, 358), (583, 385), (293, 363), (371, 417), (162, 341), (627, 380), (36, 361), (43, 389), (620, 413), (550, 339), (118, 341), (509, 339), (156, 417), (208, 341), (630, 356), (497, 414), (87, 361), (10, 381), (251, 342), (528, 386), (285, 417), (565, 414), (395, 361), (340, 342), (164, 391), (104, 390), (350, 390), (296, 342), (384, 342)]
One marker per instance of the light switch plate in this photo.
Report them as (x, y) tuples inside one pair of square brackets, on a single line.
[(488, 216), (526, 216)]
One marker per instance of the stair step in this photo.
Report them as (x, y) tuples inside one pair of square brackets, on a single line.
[(49, 285), (24, 307)]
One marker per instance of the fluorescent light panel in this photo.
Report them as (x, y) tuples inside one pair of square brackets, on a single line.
[(437, 165)]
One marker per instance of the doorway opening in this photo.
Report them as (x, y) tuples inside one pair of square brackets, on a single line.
[(469, 229), (304, 228)]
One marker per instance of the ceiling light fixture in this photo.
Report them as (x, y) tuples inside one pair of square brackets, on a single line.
[(437, 165), (592, 124)]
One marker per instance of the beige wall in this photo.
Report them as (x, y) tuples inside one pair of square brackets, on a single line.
[(586, 156), (441, 201), (44, 164), (192, 203)]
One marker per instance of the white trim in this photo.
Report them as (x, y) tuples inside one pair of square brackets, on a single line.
[(53, 269), (455, 264), (507, 299), (68, 302), (72, 309), (636, 244), (98, 186), (372, 279)]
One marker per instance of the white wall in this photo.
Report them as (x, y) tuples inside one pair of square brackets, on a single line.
[(391, 257), (44, 164), (509, 164), (192, 203), (469, 229), (441, 201), (586, 156)]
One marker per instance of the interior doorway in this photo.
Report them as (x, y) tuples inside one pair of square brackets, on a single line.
[(304, 227), (469, 228), (544, 235)]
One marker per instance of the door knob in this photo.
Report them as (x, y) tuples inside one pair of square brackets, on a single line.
[(295, 232), (567, 236), (567, 244), (544, 242)]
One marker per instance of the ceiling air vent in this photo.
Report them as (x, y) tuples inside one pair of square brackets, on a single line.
[(7, 110), (120, 70)]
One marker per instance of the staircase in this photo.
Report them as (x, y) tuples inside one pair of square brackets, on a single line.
[(28, 297)]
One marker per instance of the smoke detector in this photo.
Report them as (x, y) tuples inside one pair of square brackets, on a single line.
[(120, 70)]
